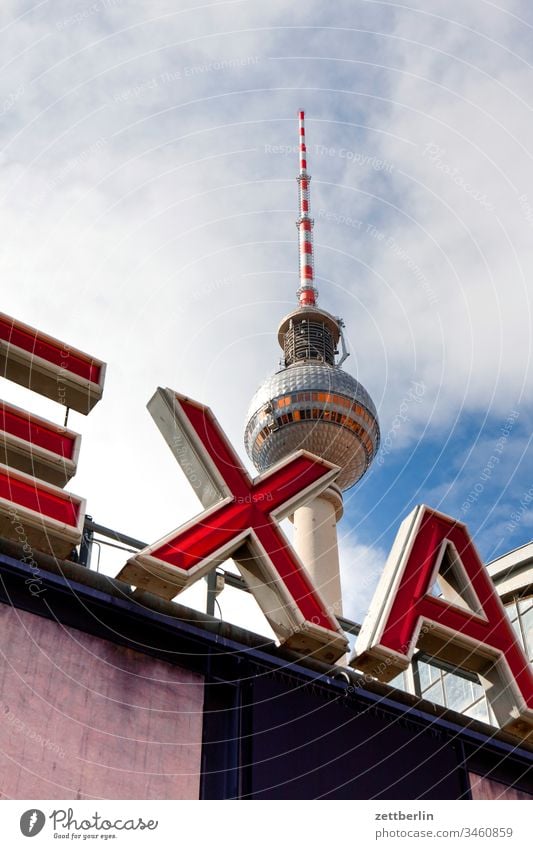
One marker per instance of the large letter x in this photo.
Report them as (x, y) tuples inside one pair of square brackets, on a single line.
[(240, 521)]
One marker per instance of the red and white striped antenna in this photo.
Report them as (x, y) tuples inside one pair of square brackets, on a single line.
[(307, 294)]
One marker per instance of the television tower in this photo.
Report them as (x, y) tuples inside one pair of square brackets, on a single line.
[(312, 404)]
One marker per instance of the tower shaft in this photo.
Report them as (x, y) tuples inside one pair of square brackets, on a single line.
[(315, 541)]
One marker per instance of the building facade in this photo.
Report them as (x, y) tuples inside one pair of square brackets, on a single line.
[(108, 694)]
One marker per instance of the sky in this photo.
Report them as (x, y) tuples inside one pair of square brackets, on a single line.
[(147, 165)]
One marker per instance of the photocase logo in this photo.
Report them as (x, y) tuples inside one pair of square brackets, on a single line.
[(32, 822)]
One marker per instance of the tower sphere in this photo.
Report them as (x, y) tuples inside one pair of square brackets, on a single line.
[(315, 405), (312, 403)]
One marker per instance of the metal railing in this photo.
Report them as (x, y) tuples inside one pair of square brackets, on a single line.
[(130, 544)]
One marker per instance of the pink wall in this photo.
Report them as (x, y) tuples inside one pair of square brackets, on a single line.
[(83, 718), (487, 788)]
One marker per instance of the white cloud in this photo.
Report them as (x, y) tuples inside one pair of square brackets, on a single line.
[(361, 567)]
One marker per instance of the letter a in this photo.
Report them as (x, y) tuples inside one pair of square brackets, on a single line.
[(467, 626)]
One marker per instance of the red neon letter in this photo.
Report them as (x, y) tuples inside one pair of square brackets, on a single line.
[(240, 521), (404, 614)]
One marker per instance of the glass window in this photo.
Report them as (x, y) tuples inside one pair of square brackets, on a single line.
[(427, 674), (479, 710), (478, 690), (423, 671), (516, 625), (459, 693), (511, 611), (399, 682), (435, 693), (525, 604)]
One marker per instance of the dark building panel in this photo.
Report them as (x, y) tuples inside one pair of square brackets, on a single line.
[(307, 747)]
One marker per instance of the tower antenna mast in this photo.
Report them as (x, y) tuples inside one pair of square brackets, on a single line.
[(307, 293)]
